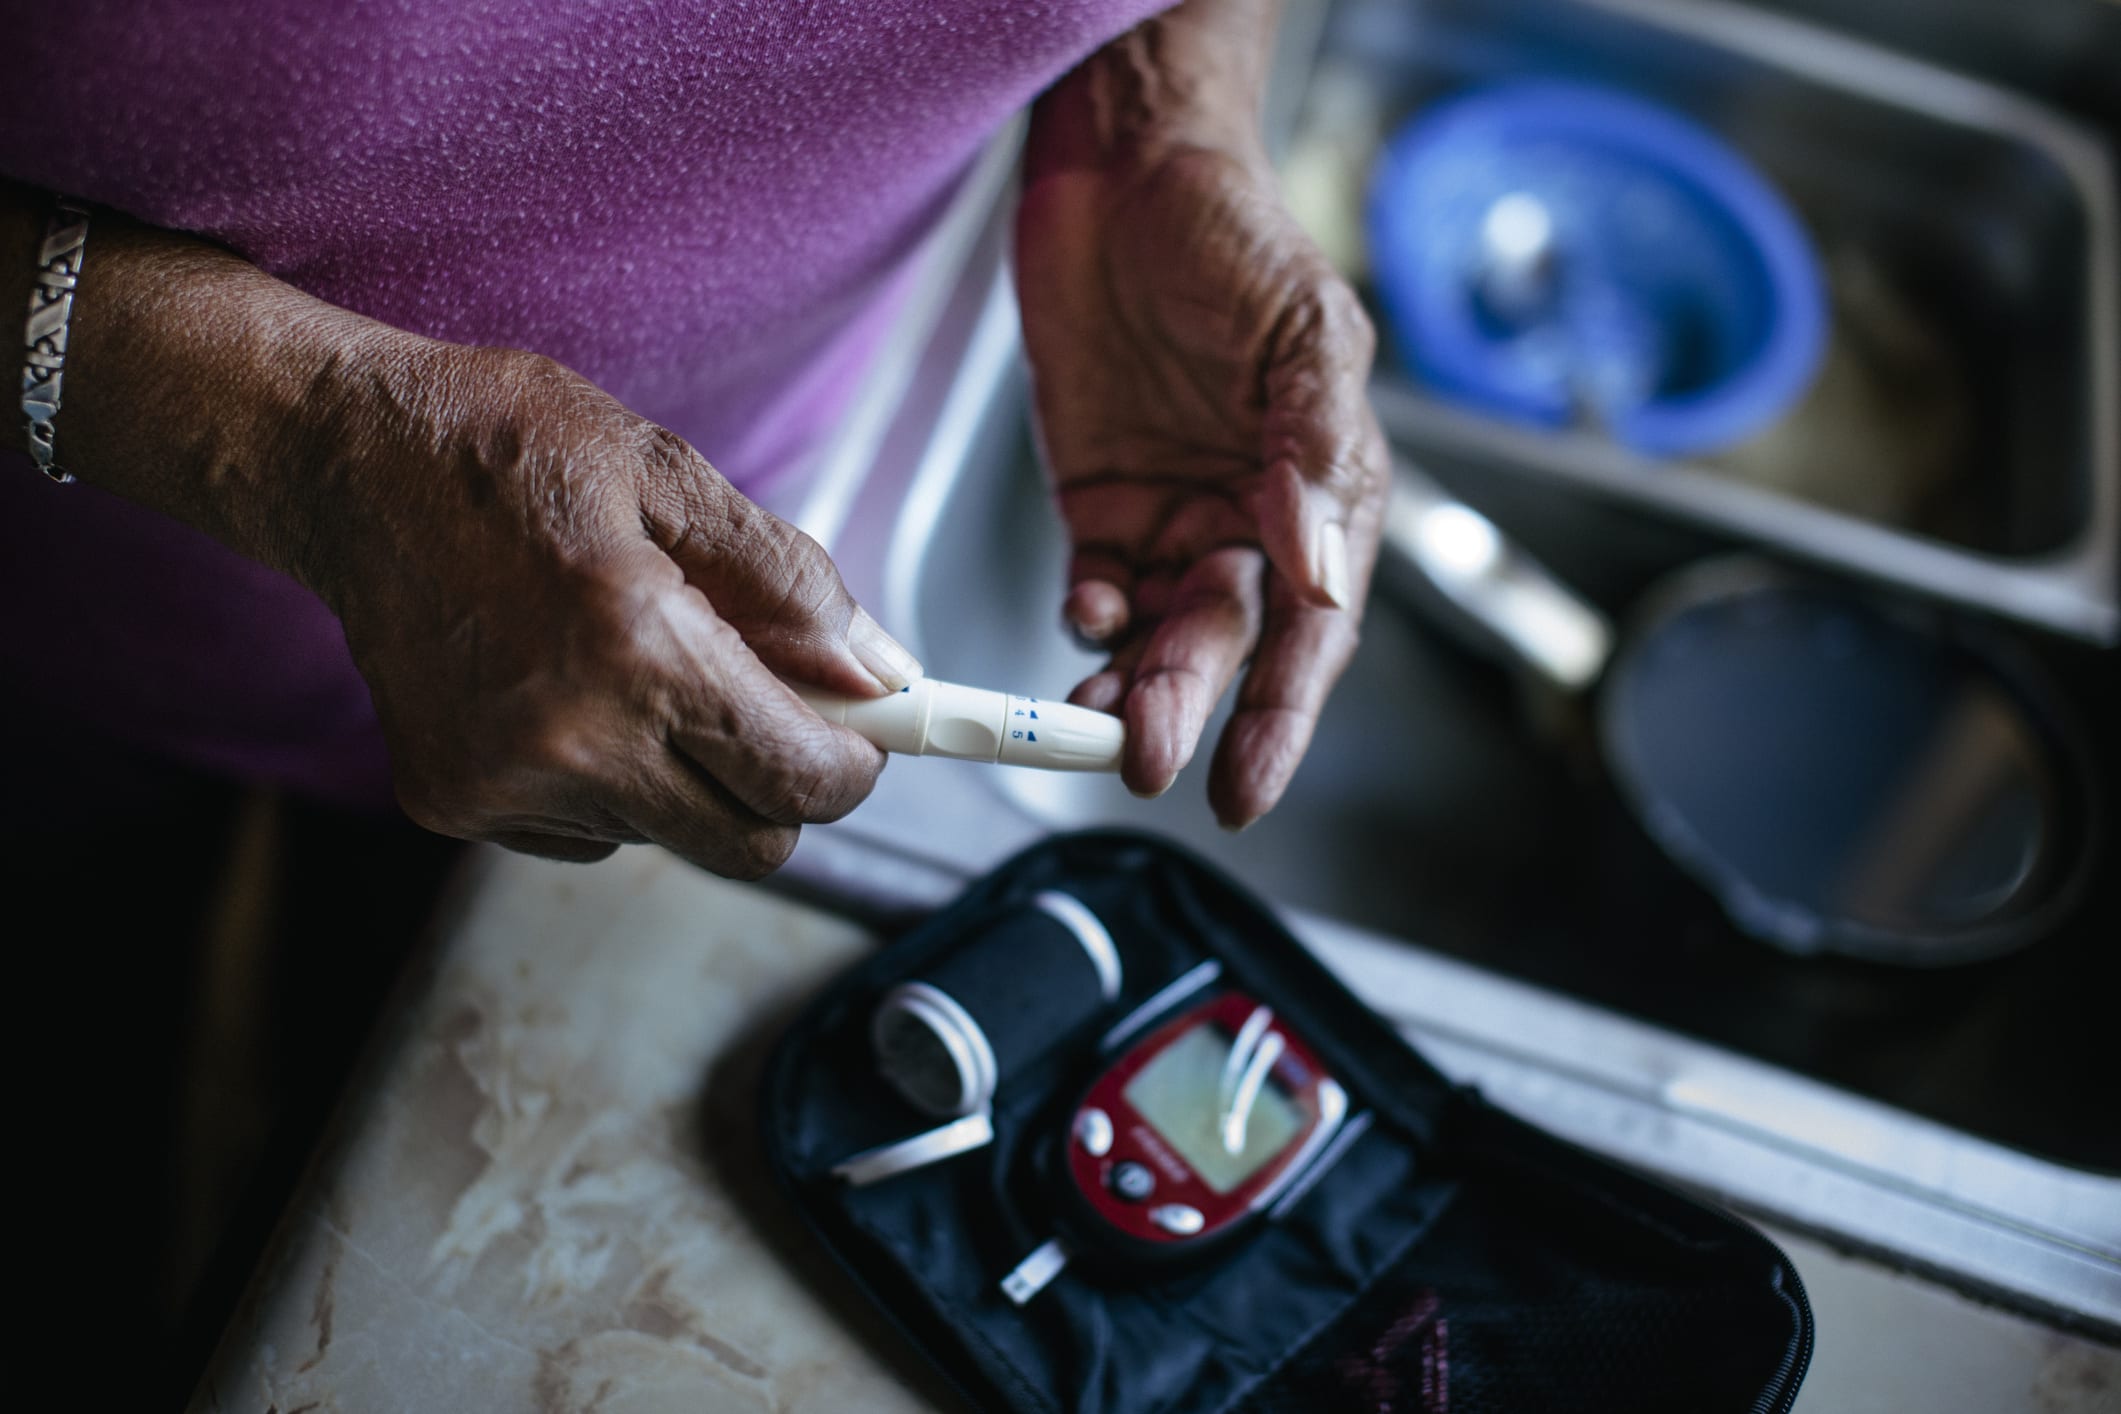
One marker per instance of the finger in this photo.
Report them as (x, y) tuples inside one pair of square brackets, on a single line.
[(748, 731), (1106, 688), (1187, 664), (1122, 587), (672, 802), (1302, 653), (1101, 691), (1320, 457), (1112, 522), (1097, 609), (562, 847), (1096, 612), (769, 580)]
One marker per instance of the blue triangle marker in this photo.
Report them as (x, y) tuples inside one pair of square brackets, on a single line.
[(1030, 736), (1034, 716)]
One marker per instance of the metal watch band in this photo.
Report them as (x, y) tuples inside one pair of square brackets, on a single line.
[(51, 307)]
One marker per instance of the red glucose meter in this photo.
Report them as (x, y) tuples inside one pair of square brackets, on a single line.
[(1197, 1128)]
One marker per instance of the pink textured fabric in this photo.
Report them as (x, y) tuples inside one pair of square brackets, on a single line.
[(698, 205)]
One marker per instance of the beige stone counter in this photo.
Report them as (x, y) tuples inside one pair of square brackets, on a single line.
[(541, 1195)]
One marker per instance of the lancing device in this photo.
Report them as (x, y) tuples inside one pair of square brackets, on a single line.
[(930, 718)]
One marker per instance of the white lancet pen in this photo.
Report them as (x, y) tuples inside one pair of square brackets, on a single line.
[(930, 718)]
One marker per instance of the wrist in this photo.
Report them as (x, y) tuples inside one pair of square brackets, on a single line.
[(200, 386), (1191, 78)]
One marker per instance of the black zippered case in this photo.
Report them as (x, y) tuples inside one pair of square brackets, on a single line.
[(1452, 1260)]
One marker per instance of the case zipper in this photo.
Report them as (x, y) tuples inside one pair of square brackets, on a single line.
[(1782, 1394), (1782, 1391)]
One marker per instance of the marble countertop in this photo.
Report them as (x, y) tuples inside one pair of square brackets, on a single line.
[(542, 1194)]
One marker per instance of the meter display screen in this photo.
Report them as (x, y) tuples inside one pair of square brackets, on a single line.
[(1179, 1092)]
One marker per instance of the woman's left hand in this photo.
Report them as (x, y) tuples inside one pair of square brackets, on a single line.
[(1200, 374)]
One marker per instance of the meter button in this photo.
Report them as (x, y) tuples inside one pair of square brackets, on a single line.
[(1178, 1219), (1132, 1181), (1093, 1130)]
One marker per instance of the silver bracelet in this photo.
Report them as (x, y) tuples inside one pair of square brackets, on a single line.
[(51, 305)]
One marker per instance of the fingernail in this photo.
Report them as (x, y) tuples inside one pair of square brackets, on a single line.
[(1332, 562), (1084, 639), (886, 659)]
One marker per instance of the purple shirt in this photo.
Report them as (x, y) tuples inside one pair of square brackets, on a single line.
[(700, 206)]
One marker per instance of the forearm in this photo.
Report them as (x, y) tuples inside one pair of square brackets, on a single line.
[(1193, 76), (188, 372)]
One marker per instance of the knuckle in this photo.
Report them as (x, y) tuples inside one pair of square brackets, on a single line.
[(1327, 335), (803, 552), (810, 582), (795, 786), (559, 743), (798, 798), (1345, 320), (760, 852), (820, 788), (667, 452), (527, 381), (690, 504), (535, 372)]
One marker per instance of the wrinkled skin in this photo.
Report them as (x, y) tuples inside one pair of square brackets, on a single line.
[(572, 624), (1200, 374)]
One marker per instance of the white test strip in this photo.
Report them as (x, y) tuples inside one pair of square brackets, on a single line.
[(960, 1136), (1036, 1272), (930, 718)]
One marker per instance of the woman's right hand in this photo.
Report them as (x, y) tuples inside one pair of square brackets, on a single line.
[(574, 629)]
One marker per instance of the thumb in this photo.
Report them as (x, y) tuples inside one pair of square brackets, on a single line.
[(1317, 453), (781, 592), (773, 584)]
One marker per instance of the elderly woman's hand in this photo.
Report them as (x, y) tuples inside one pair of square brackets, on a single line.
[(571, 624), (1200, 372)]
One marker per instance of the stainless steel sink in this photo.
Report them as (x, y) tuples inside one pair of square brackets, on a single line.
[(1468, 877), (1961, 438)]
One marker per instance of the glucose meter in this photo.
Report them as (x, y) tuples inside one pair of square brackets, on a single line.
[(1205, 1126), (1197, 1129)]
